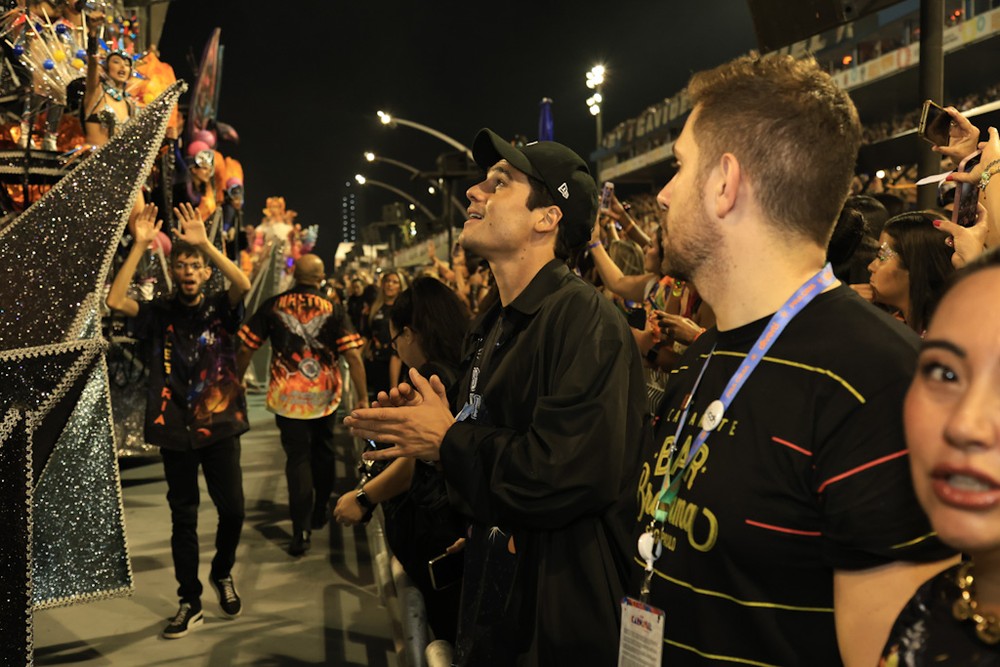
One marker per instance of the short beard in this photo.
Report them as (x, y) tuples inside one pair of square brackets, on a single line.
[(684, 261)]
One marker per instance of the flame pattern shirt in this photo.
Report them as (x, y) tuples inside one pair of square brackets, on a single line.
[(195, 398), (307, 332)]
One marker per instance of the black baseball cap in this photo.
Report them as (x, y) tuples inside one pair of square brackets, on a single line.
[(563, 172)]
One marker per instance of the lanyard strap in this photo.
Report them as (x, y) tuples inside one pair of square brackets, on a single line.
[(483, 359), (799, 300)]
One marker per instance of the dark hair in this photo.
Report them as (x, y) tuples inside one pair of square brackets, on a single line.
[(540, 197), (845, 241), (923, 253), (893, 205), (874, 212), (988, 260), (779, 116), (181, 248), (437, 317)]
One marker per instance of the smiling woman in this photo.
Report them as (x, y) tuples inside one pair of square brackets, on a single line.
[(952, 419)]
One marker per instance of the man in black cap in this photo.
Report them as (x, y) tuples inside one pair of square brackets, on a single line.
[(546, 442)]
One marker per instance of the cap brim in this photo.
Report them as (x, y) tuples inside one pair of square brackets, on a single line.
[(489, 148)]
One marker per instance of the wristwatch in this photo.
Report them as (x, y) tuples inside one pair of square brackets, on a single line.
[(366, 504)]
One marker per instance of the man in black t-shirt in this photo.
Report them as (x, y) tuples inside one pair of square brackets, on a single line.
[(196, 410), (795, 537)]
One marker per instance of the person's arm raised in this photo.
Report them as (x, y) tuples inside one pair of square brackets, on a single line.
[(628, 287), (145, 231)]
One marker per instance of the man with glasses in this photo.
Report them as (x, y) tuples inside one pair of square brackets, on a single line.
[(196, 410), (308, 333)]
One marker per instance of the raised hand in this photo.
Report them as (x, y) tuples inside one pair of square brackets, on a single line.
[(192, 227), (146, 225), (968, 242), (962, 137)]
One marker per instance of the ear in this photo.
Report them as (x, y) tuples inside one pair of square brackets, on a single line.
[(730, 179), (548, 222)]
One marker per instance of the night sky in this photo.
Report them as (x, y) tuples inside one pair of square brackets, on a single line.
[(302, 80)]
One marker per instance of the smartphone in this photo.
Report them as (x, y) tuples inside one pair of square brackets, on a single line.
[(446, 569), (635, 316), (935, 124), (966, 195), (606, 192)]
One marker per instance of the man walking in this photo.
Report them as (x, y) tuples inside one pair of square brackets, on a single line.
[(308, 332), (196, 410)]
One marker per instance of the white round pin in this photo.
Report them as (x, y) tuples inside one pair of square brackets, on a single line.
[(713, 415)]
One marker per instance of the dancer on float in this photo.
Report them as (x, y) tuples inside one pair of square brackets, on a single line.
[(106, 102)]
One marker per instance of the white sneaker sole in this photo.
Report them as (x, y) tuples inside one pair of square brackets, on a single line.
[(218, 594), (193, 623)]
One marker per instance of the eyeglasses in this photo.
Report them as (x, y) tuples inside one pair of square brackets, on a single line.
[(183, 266), (392, 341), (885, 253)]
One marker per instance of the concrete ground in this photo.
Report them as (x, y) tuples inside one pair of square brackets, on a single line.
[(321, 609)]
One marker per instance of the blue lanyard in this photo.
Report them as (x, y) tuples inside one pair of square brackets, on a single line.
[(713, 414)]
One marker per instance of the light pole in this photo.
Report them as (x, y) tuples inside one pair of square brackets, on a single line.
[(369, 181), (416, 173), (595, 79), (391, 121)]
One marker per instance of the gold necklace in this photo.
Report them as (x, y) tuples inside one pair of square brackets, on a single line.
[(966, 608)]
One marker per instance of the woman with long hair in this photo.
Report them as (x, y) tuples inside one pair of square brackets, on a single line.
[(428, 324), (911, 267), (382, 364)]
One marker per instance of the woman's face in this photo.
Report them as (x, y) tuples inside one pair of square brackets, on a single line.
[(405, 344), (889, 280), (390, 286), (119, 69), (952, 417)]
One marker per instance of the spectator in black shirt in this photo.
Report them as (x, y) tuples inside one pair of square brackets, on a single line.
[(548, 437)]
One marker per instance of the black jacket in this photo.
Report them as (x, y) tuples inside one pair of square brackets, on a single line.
[(547, 472)]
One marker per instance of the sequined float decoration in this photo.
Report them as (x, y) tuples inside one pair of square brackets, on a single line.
[(15, 547), (79, 548), (67, 238)]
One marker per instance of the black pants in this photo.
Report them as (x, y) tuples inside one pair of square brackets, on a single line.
[(308, 445), (220, 462)]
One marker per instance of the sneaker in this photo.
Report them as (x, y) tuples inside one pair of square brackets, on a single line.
[(229, 599), (186, 620), (301, 543)]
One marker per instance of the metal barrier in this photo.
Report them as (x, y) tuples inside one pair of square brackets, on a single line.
[(401, 598)]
